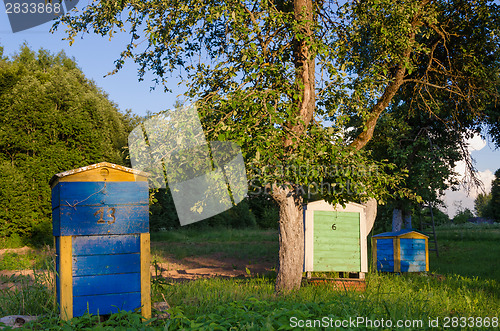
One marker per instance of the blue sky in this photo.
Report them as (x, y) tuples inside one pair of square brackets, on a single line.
[(95, 56)]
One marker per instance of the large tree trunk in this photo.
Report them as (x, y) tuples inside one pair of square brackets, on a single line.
[(397, 220), (291, 227), (291, 239)]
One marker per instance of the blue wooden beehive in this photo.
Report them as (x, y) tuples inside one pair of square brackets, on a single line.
[(403, 251), (100, 217)]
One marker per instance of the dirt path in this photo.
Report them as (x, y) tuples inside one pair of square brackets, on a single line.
[(189, 268), (213, 265)]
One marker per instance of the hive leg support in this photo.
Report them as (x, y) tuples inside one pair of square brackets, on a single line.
[(145, 276), (66, 277)]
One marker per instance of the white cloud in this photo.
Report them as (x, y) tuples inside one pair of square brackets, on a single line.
[(476, 143), (461, 198), (455, 199)]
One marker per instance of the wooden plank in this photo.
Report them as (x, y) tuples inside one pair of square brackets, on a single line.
[(340, 225), (412, 235), (385, 266), (412, 244), (427, 254), (96, 175), (340, 238), (84, 220), (340, 267), (56, 222), (333, 256), (65, 278), (413, 255), (339, 249), (308, 240), (106, 284), (386, 252), (413, 266), (145, 275), (106, 304), (55, 196), (337, 253), (329, 264), (102, 193), (103, 244), (397, 256), (106, 264), (383, 243), (374, 254), (420, 257)]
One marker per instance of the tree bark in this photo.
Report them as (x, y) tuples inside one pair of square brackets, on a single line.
[(291, 239), (305, 67), (397, 220), (291, 227)]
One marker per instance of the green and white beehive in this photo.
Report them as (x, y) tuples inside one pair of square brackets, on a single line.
[(335, 238)]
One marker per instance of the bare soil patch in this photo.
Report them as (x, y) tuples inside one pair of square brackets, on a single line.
[(208, 266)]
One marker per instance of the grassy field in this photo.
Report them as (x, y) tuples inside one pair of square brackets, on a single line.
[(462, 291)]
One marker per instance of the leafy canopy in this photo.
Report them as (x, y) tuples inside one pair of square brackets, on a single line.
[(53, 119), (239, 60)]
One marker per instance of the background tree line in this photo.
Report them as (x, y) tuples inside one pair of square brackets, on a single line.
[(52, 119), (487, 205), (272, 71)]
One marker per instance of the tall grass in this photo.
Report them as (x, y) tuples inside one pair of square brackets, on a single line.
[(465, 287), (214, 235), (471, 250)]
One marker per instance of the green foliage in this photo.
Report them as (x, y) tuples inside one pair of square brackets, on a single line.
[(248, 88), (163, 215), (53, 119), (123, 320), (14, 216), (493, 209), (214, 235), (38, 260), (265, 210), (469, 250), (440, 218), (467, 285), (488, 205), (27, 295), (481, 204), (266, 74), (462, 216), (239, 244), (383, 222), (426, 148), (14, 261)]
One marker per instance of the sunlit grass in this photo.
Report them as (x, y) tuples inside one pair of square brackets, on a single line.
[(463, 282)]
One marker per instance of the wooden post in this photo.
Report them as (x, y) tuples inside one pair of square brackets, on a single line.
[(66, 277), (145, 276)]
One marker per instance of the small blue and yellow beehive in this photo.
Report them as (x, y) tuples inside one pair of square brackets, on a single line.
[(100, 216), (403, 251)]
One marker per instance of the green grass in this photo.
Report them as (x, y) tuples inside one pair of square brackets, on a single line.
[(463, 283), (214, 235), (27, 295), (242, 244), (468, 250), (39, 259)]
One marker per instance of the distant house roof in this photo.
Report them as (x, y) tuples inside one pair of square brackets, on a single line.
[(402, 233), (480, 220)]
